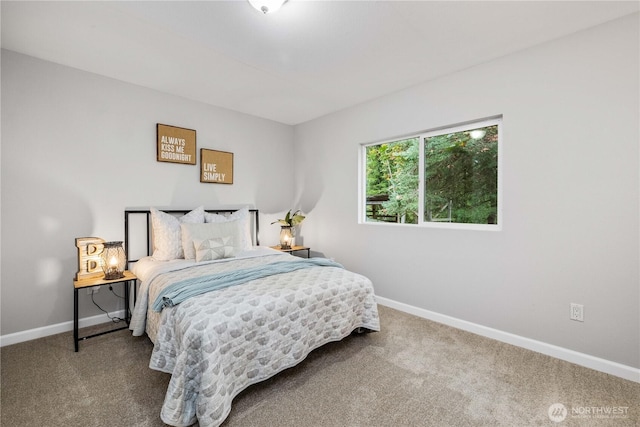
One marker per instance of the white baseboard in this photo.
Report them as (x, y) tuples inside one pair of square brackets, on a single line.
[(588, 361), (59, 328), (596, 363)]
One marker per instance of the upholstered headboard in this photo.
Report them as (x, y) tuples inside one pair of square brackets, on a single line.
[(138, 230)]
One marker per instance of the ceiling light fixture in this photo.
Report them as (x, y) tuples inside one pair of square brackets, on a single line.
[(267, 6)]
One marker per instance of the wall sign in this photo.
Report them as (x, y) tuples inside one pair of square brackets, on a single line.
[(216, 166), (176, 145)]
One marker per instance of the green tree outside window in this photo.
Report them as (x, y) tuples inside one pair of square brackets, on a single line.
[(460, 178)]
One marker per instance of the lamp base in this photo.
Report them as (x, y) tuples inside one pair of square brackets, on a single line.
[(114, 276)]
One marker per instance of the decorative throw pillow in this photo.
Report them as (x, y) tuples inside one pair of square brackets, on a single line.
[(167, 239), (193, 232), (211, 249), (244, 217)]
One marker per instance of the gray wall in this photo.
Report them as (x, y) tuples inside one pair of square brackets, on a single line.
[(78, 148), (571, 195), (571, 187)]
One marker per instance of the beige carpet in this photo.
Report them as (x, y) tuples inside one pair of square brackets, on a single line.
[(412, 373)]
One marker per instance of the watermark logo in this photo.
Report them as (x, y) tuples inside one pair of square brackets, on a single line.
[(599, 412), (557, 412)]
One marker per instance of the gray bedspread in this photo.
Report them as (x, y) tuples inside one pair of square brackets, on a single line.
[(216, 344)]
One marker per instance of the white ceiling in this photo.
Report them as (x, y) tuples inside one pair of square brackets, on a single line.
[(307, 60)]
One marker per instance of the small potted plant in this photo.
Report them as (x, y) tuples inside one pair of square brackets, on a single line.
[(287, 228)]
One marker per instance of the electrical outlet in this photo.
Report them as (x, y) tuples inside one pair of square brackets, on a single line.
[(93, 290), (577, 312)]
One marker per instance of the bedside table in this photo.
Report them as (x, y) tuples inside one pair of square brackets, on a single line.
[(91, 283), (293, 249)]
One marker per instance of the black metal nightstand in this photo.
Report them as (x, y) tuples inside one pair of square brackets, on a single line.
[(93, 282), (293, 249)]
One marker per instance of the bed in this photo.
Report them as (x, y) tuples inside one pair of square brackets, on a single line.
[(224, 313)]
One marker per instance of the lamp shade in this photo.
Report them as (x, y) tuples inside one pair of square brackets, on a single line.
[(286, 237), (113, 260), (267, 6)]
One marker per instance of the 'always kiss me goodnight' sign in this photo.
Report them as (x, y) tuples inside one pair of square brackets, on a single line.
[(176, 145)]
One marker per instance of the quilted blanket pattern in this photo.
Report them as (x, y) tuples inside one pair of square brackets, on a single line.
[(217, 344)]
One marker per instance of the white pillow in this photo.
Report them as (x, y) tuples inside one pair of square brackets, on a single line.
[(193, 232), (244, 217), (210, 249), (167, 240)]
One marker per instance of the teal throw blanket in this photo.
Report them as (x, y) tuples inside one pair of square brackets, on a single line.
[(177, 292)]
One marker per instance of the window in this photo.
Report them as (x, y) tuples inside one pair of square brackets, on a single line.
[(447, 176), (392, 181)]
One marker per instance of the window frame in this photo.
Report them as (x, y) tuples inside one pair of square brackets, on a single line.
[(467, 126)]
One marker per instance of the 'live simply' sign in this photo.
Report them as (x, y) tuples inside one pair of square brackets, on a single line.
[(216, 166)]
